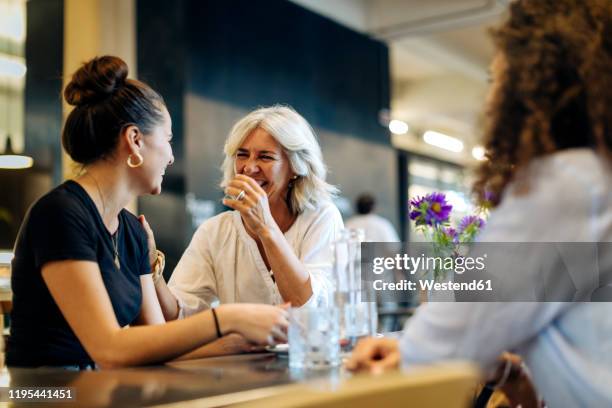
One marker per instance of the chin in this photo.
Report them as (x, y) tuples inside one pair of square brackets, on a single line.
[(156, 190)]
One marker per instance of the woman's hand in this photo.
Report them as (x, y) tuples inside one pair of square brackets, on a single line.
[(375, 356), (253, 204), (260, 324), (233, 343), (150, 239)]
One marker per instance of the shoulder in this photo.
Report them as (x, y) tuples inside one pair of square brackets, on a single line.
[(220, 225), (564, 194), (220, 221), (62, 201), (326, 214)]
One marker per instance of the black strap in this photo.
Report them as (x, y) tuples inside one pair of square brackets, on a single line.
[(214, 313), (485, 395)]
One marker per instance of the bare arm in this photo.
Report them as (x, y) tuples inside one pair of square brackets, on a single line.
[(150, 312), (78, 290), (292, 278), (169, 304), (226, 345), (167, 301)]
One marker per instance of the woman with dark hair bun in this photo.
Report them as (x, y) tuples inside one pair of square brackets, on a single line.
[(83, 293)]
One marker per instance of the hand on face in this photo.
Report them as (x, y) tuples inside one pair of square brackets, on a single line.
[(253, 205), (375, 356)]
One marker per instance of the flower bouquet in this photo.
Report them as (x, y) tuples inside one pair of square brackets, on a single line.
[(431, 215)]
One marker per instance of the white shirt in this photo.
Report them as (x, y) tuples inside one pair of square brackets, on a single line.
[(223, 263), (377, 228), (567, 346)]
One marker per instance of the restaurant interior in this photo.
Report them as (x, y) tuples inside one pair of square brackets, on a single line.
[(395, 91)]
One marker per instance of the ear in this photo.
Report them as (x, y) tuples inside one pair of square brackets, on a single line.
[(133, 138)]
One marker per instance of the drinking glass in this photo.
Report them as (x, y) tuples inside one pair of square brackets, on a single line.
[(358, 318), (314, 340)]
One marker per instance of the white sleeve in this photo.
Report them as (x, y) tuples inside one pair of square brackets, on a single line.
[(316, 253), (193, 281), (474, 331)]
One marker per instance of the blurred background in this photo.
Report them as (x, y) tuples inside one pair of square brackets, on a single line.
[(394, 89)]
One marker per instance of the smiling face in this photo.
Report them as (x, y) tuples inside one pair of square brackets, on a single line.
[(157, 154), (262, 158)]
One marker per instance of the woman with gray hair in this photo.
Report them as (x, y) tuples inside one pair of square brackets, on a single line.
[(275, 247)]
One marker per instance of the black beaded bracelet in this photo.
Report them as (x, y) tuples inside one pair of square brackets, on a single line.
[(214, 313)]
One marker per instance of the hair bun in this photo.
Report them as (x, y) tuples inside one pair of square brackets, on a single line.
[(96, 80)]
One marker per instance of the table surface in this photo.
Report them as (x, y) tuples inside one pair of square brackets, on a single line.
[(214, 381)]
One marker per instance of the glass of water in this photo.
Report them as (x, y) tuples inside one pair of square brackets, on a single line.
[(314, 339), (358, 317)]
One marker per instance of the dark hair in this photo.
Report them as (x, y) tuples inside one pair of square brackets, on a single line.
[(555, 91), (365, 204), (105, 103)]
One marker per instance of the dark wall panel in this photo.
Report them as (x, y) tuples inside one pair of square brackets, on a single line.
[(248, 53), (43, 107), (160, 34)]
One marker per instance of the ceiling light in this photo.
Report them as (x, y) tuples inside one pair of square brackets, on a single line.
[(11, 66), (443, 141), (478, 152), (398, 127), (6, 257), (10, 160)]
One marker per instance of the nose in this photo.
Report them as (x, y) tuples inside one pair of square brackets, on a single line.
[(250, 167), (171, 161)]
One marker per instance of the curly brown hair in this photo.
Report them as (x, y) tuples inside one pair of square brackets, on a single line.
[(554, 91)]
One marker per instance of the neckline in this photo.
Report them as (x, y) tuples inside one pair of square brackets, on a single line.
[(252, 244), (92, 203)]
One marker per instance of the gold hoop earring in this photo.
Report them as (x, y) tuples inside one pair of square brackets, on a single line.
[(134, 165)]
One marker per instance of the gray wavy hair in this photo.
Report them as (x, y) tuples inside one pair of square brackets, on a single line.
[(300, 144)]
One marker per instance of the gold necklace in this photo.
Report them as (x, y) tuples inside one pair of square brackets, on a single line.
[(114, 237)]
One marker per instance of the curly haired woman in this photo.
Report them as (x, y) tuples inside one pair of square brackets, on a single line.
[(549, 151)]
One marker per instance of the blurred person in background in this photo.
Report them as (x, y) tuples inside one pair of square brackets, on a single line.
[(275, 247), (83, 293), (376, 228), (549, 170)]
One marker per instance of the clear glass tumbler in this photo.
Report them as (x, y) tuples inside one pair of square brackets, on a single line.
[(314, 340)]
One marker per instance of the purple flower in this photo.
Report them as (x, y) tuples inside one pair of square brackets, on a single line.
[(451, 233), (430, 210), (471, 224), (487, 200)]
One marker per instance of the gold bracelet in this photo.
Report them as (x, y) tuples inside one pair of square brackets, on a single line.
[(157, 269)]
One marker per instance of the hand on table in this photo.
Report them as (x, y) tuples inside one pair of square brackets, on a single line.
[(260, 324), (234, 344), (253, 204), (375, 355)]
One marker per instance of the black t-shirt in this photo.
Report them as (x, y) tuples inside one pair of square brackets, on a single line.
[(65, 224)]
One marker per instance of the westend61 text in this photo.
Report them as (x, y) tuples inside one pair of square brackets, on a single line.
[(425, 284)]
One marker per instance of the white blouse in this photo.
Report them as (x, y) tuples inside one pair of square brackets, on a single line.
[(223, 263)]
